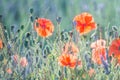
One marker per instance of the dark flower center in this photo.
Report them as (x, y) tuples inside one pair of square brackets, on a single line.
[(83, 25)]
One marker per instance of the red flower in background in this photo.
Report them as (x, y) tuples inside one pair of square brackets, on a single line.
[(98, 50), (84, 23), (9, 71), (43, 27), (114, 49), (91, 72), (96, 55), (23, 62), (68, 60)]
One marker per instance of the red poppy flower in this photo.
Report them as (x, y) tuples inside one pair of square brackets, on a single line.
[(98, 50), (1, 44), (114, 49), (44, 27), (68, 60), (84, 23), (96, 55)]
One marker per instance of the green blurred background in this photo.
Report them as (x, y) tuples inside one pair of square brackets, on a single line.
[(16, 12)]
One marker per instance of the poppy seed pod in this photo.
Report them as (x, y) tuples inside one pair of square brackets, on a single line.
[(31, 10), (58, 19), (22, 27)]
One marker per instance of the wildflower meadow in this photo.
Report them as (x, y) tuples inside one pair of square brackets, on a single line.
[(59, 40)]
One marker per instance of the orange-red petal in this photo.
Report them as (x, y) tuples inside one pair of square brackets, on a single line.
[(44, 27), (84, 23)]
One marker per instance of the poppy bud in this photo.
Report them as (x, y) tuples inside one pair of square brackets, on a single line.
[(59, 73), (58, 19), (64, 35), (12, 28), (110, 33), (1, 57), (44, 53), (5, 27), (22, 27), (0, 18), (18, 30), (114, 28), (36, 18), (48, 49), (31, 10), (28, 34), (26, 43), (40, 44)]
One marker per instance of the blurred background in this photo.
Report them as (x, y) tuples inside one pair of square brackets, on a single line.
[(17, 12)]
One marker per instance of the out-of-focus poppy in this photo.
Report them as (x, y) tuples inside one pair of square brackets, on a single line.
[(44, 27), (98, 43), (23, 62), (1, 44), (9, 71), (91, 72), (84, 23), (98, 50), (71, 48), (114, 49), (15, 58), (68, 60), (96, 55)]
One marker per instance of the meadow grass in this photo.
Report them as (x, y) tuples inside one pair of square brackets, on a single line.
[(19, 37)]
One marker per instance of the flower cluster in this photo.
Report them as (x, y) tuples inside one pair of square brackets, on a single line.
[(37, 54)]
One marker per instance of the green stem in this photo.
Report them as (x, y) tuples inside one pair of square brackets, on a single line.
[(43, 41)]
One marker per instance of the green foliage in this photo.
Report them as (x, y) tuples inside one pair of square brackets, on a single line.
[(19, 37)]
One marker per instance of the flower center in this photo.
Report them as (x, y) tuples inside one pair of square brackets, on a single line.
[(43, 25), (84, 25)]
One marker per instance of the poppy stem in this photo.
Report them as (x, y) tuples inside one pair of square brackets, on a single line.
[(71, 72), (62, 75), (43, 41), (58, 31)]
